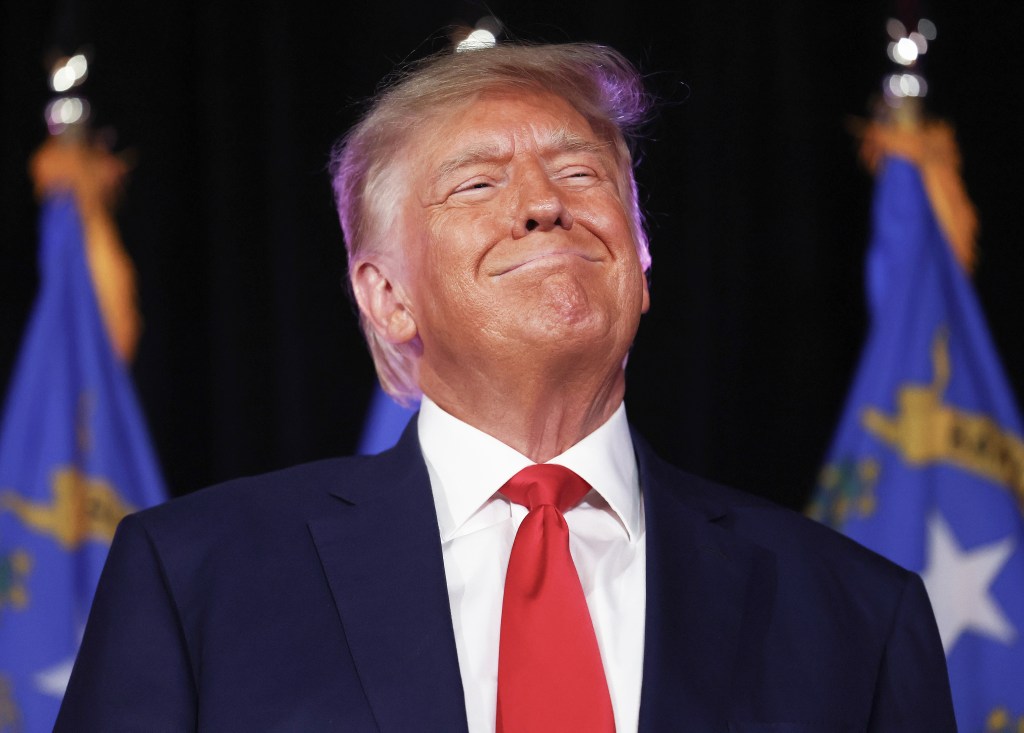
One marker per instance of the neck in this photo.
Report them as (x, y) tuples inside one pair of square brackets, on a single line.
[(540, 418)]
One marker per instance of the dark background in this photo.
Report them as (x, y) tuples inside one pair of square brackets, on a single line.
[(758, 213)]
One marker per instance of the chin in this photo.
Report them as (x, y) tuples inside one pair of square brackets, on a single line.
[(573, 330)]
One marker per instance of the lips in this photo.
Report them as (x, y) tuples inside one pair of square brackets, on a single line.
[(543, 259)]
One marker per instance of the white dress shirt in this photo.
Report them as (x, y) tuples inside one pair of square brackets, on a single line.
[(477, 525)]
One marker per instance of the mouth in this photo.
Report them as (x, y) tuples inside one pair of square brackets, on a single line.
[(544, 259)]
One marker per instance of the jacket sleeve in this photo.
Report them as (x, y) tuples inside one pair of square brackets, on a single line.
[(132, 672), (912, 692)]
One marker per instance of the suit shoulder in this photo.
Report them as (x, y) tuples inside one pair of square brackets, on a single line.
[(792, 534), (788, 534), (283, 485), (263, 505)]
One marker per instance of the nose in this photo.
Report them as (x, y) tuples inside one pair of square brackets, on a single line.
[(540, 207)]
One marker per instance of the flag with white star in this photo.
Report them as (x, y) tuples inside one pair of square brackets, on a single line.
[(927, 465)]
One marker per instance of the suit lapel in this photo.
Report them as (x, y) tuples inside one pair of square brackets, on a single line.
[(704, 585), (381, 553)]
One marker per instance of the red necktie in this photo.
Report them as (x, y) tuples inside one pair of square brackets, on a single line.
[(550, 676)]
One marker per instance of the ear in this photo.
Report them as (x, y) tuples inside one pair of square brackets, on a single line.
[(383, 303), (645, 304)]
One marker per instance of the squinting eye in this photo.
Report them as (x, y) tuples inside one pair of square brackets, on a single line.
[(577, 173), (473, 186)]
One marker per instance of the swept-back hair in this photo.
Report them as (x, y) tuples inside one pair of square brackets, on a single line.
[(598, 82)]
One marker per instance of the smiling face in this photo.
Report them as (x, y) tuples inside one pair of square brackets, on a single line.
[(516, 244)]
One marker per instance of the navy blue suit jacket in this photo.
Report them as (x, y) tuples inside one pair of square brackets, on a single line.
[(314, 599)]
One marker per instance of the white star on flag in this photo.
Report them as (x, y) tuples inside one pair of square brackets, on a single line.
[(54, 681), (959, 583)]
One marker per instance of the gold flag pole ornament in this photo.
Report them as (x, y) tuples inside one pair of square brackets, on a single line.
[(72, 159), (900, 129)]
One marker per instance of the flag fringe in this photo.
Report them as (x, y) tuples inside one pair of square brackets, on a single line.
[(931, 146), (94, 175)]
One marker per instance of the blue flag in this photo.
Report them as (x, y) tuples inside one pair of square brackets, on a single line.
[(927, 466), (385, 421), (74, 459)]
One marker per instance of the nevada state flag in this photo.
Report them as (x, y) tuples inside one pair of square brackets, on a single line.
[(74, 459), (927, 466)]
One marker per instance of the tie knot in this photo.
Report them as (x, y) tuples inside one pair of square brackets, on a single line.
[(546, 484)]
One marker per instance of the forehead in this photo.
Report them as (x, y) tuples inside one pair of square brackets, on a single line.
[(495, 124)]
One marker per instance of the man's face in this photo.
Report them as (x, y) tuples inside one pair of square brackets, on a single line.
[(516, 240)]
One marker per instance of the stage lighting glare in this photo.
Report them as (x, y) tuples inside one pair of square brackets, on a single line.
[(480, 38), (927, 29), (65, 111), (70, 111), (490, 24), (71, 72), (905, 51), (905, 85), (910, 86), (895, 29), (79, 65), (62, 79), (920, 41)]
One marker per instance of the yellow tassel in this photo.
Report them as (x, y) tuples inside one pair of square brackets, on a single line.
[(94, 175), (931, 145)]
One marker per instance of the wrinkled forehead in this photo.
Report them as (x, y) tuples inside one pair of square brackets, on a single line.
[(480, 131), (474, 130)]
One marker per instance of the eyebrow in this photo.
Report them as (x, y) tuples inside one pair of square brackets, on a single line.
[(560, 141)]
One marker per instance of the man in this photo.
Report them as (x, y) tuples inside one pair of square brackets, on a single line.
[(498, 260)]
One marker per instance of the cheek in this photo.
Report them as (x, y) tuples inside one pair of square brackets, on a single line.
[(449, 262), (602, 209), (458, 240), (610, 221)]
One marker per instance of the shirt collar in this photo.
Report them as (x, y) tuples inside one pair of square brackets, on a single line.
[(467, 466)]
